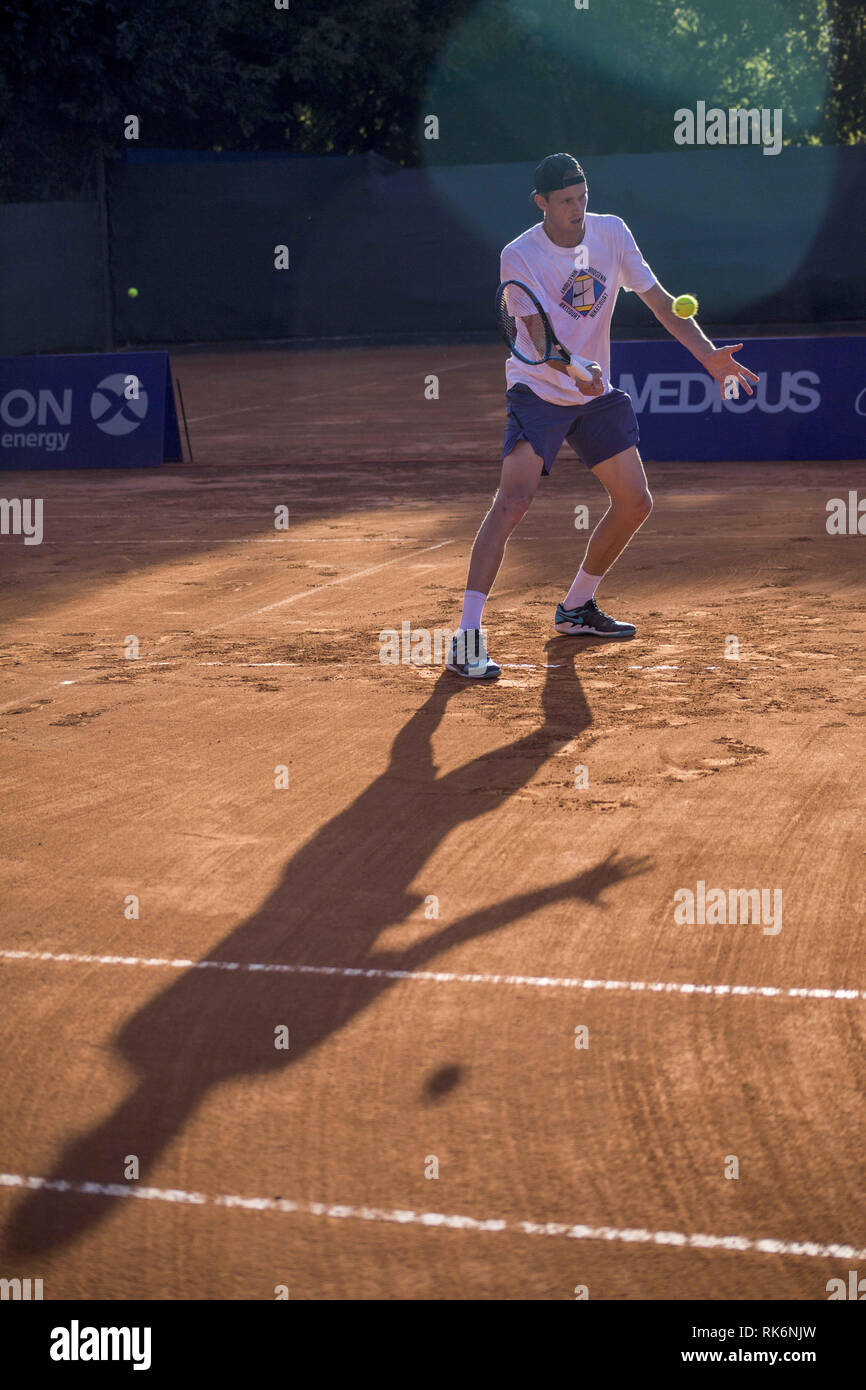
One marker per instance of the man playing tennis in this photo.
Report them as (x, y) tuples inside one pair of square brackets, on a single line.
[(546, 406)]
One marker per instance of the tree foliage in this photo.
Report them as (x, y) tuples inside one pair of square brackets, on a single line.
[(506, 78)]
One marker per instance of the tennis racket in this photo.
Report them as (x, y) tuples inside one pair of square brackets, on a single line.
[(527, 331)]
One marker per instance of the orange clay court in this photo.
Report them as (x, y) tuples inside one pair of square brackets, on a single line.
[(306, 915)]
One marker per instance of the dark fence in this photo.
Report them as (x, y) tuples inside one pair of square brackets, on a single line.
[(375, 250), (51, 296)]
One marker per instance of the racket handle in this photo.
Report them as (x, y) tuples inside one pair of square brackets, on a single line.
[(579, 369)]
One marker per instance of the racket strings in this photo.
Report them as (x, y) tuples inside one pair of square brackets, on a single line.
[(522, 326)]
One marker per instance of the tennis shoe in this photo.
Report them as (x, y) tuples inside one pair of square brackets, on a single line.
[(589, 621), (468, 656)]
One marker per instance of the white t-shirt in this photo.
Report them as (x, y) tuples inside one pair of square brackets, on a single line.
[(579, 303)]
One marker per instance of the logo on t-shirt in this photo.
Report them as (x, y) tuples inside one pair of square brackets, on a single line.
[(582, 292)]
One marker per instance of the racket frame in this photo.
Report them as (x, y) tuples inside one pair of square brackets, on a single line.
[(560, 355)]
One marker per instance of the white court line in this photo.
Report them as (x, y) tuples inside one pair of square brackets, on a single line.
[(440, 1221), (237, 540), (328, 584), (441, 977), (10, 704), (241, 617), (230, 513), (318, 395), (181, 540), (176, 660)]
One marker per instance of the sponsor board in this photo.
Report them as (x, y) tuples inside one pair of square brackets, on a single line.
[(809, 404), (87, 410)]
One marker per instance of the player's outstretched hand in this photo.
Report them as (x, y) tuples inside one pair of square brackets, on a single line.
[(721, 365)]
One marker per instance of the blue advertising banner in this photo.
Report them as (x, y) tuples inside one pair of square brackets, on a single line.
[(810, 402), (89, 410)]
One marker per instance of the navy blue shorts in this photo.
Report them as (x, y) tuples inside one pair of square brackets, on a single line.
[(596, 432)]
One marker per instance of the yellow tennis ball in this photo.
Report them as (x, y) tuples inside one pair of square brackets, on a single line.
[(685, 306), (132, 292)]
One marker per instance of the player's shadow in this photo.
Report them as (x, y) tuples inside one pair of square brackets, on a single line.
[(339, 892)]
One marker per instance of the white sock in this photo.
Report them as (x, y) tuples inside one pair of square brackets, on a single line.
[(582, 590), (473, 607)]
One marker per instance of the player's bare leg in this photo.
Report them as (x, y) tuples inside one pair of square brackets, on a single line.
[(624, 478), (518, 483), (630, 504)]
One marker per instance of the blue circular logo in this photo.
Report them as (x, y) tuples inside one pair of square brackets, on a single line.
[(112, 410)]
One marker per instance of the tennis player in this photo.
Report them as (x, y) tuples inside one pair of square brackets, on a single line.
[(546, 406)]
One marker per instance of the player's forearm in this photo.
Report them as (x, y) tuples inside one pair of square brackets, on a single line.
[(560, 366), (688, 332), (563, 366)]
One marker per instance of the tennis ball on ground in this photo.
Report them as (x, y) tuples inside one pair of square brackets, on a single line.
[(132, 292), (685, 306)]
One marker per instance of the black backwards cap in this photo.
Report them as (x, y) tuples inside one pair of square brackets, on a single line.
[(557, 171)]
